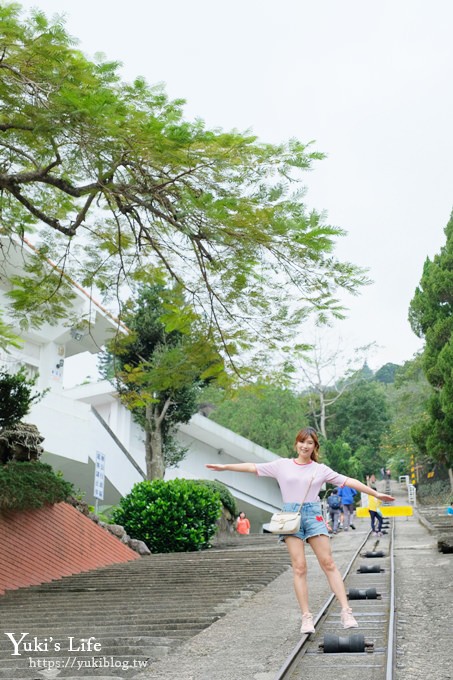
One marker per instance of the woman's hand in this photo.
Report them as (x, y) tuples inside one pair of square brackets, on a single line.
[(385, 497), (212, 466)]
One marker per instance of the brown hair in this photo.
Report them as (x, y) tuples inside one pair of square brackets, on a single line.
[(303, 434)]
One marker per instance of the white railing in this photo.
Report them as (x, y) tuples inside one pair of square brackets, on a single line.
[(411, 490), (412, 493)]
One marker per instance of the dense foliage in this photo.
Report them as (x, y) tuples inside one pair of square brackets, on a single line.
[(271, 417), (339, 455), (406, 401), (27, 485), (16, 397), (159, 367), (431, 318), (118, 189), (386, 374), (360, 418), (227, 498), (175, 516), (267, 415)]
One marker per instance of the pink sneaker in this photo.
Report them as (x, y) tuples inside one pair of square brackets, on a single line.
[(347, 619), (307, 623)]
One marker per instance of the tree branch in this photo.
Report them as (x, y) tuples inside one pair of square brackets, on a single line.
[(39, 214)]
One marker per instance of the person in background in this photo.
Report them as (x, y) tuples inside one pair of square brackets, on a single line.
[(347, 501), (300, 480), (375, 514), (334, 503), (449, 510), (242, 524)]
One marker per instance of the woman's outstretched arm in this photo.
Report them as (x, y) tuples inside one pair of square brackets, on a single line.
[(233, 467), (359, 486)]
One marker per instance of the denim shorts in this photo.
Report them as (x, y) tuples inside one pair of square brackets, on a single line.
[(312, 522)]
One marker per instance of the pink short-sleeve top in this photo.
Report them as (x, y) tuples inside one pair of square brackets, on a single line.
[(294, 478)]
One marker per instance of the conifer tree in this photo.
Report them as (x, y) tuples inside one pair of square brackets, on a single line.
[(431, 318)]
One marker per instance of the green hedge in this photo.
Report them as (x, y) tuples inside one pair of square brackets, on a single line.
[(227, 498), (175, 516), (30, 484)]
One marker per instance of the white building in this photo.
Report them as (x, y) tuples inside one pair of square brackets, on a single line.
[(90, 436)]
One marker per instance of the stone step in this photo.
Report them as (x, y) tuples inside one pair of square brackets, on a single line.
[(128, 605), (128, 609), (154, 581), (156, 584), (207, 610), (128, 596), (105, 585), (108, 632), (183, 609), (162, 617)]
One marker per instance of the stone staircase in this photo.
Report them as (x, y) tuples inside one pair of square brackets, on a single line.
[(439, 524), (114, 621)]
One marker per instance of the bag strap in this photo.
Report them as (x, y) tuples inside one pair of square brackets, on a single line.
[(306, 493)]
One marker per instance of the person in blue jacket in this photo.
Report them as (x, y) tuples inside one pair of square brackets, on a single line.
[(334, 503), (347, 501)]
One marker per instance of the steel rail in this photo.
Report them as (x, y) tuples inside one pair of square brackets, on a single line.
[(391, 635)]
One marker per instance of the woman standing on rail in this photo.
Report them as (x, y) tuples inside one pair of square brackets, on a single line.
[(301, 478)]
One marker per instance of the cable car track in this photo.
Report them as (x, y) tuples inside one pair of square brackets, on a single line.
[(370, 582)]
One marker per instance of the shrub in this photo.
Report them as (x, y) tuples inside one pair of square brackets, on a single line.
[(175, 516), (16, 396), (26, 485), (434, 493), (227, 498)]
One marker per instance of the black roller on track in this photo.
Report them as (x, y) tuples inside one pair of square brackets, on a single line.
[(335, 644)]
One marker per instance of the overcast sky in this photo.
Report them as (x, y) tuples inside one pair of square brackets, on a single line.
[(369, 82)]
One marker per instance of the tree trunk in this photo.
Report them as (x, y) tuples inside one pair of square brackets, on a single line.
[(322, 415), (155, 466)]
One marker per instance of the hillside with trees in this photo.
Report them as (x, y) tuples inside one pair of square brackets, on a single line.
[(369, 427)]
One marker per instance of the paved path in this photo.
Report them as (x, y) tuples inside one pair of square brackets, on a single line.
[(424, 589), (252, 641)]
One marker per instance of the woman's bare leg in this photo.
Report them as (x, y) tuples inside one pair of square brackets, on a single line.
[(296, 551), (321, 547)]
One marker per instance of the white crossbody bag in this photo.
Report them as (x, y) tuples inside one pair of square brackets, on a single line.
[(288, 522)]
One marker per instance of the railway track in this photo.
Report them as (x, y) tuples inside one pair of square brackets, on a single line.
[(368, 651)]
